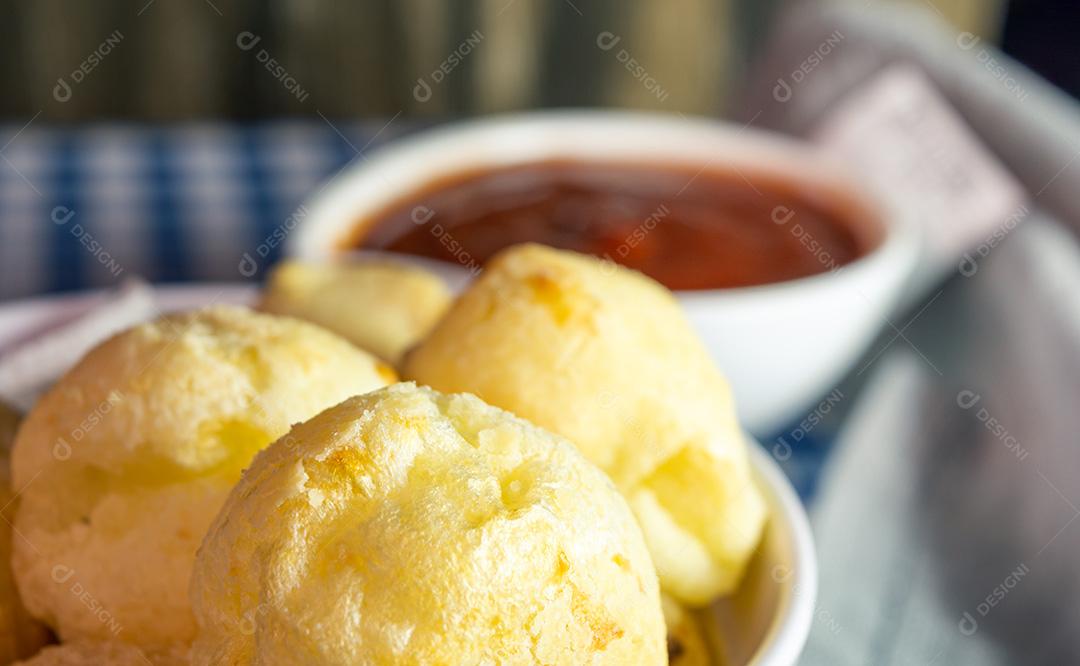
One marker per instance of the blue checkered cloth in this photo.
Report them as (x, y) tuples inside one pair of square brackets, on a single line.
[(88, 206)]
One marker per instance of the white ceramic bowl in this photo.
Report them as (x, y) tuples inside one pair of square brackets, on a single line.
[(768, 619), (782, 345)]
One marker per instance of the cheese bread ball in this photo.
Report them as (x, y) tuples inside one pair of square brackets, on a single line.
[(685, 642), (105, 653), (20, 634), (384, 308), (127, 459), (410, 527), (605, 357)]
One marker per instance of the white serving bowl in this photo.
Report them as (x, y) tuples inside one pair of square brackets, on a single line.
[(782, 345), (764, 623), (767, 620)]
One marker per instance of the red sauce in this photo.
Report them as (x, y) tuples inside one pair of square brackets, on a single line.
[(687, 228)]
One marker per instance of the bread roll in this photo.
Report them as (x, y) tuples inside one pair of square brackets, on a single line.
[(105, 653), (685, 642), (605, 357), (126, 460), (384, 308), (409, 527), (20, 634)]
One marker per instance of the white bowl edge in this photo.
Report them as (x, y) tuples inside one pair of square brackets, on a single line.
[(791, 628)]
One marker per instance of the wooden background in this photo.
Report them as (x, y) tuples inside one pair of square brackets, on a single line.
[(179, 59)]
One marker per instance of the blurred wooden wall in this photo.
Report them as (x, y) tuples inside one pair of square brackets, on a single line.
[(180, 59)]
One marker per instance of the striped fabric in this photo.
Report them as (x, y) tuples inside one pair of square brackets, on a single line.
[(86, 207)]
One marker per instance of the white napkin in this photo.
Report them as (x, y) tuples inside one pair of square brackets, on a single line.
[(37, 357)]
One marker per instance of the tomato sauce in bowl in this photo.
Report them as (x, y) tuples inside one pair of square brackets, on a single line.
[(687, 226)]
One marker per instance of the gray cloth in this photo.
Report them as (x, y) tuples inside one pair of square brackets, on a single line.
[(946, 520), (945, 524)]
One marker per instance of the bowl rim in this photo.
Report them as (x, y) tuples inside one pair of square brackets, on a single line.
[(366, 187), (790, 628)]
